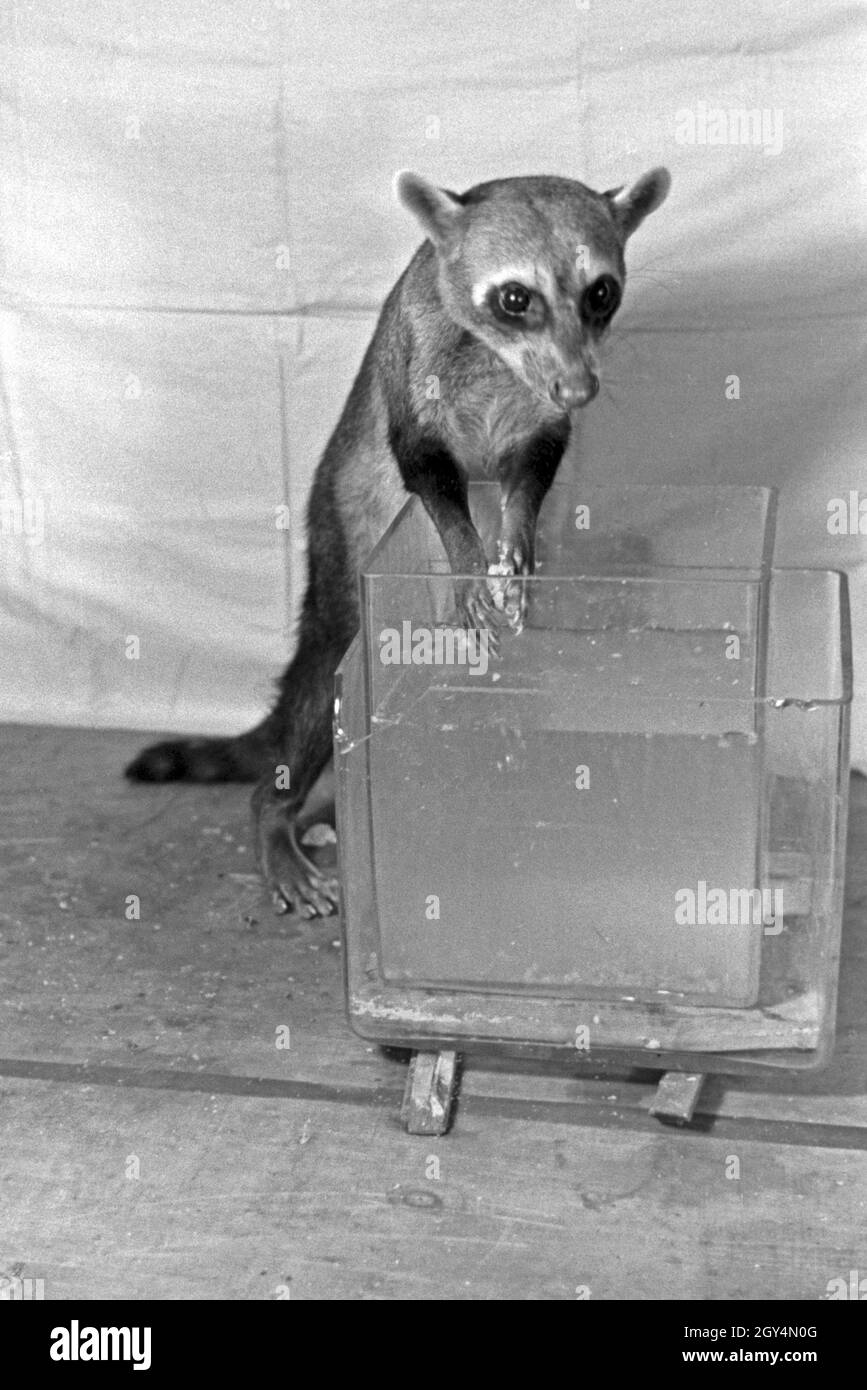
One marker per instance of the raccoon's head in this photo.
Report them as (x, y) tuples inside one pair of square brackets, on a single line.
[(534, 268)]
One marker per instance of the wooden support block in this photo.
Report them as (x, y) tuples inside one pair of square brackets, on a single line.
[(676, 1096), (430, 1091), (793, 873)]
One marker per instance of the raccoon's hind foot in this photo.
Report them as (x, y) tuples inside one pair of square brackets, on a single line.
[(294, 882)]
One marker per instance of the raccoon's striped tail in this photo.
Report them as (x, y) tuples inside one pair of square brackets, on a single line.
[(242, 759)]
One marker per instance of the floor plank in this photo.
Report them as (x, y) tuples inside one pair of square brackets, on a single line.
[(238, 1197)]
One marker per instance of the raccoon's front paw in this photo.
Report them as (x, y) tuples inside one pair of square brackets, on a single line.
[(477, 610), (515, 557), (510, 591), (295, 884)]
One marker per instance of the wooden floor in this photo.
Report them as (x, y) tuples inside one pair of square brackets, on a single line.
[(149, 1047)]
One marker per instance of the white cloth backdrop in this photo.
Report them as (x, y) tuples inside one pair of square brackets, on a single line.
[(197, 228)]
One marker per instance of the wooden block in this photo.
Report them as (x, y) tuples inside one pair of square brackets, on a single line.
[(430, 1091), (792, 872), (677, 1095)]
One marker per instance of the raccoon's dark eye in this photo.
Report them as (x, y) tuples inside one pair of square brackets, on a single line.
[(514, 299), (599, 300)]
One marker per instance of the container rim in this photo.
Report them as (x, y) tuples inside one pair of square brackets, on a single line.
[(559, 487)]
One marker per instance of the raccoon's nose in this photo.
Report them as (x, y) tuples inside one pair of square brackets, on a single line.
[(568, 395)]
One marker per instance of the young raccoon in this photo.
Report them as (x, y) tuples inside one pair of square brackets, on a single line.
[(505, 303)]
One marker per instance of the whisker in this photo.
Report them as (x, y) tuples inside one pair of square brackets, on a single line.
[(663, 258), (610, 395), (659, 283), (623, 340)]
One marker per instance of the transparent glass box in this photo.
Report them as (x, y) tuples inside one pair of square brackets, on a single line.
[(623, 836)]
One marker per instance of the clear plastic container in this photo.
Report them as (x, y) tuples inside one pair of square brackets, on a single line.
[(622, 836)]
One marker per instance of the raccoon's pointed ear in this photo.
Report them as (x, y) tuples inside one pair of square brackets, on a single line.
[(438, 210), (630, 206)]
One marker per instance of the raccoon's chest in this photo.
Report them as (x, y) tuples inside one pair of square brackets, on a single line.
[(488, 419)]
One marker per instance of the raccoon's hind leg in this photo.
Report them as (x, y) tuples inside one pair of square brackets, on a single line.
[(304, 711), (317, 823), (240, 759)]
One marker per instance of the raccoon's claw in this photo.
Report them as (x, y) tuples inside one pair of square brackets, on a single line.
[(310, 897)]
